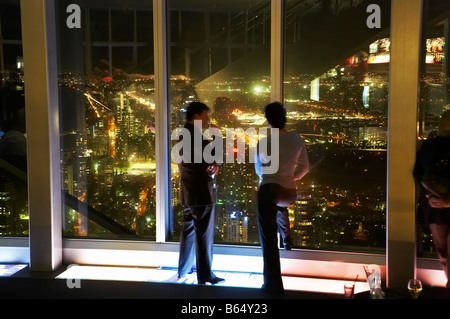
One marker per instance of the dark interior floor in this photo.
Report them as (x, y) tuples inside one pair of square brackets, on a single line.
[(32, 293), (35, 292), (36, 285)]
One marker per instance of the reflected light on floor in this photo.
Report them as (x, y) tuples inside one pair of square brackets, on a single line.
[(432, 277), (7, 270), (232, 279)]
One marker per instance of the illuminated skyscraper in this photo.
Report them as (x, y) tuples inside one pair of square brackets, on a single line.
[(236, 193), (8, 211), (236, 227)]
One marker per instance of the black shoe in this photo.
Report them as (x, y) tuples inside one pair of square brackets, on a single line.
[(184, 275), (213, 281), (287, 243)]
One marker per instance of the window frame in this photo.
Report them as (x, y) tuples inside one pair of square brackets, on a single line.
[(48, 250)]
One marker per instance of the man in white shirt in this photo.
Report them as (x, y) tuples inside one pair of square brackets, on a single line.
[(277, 191)]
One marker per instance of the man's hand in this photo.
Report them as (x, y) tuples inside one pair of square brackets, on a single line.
[(437, 202), (213, 169)]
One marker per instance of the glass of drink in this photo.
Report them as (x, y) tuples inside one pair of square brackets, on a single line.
[(349, 291), (415, 288)]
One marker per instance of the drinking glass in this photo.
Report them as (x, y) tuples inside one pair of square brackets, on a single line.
[(415, 288), (349, 291)]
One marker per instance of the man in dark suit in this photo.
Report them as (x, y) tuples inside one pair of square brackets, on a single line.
[(197, 198), (434, 211)]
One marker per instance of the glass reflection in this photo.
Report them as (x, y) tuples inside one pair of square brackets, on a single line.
[(13, 160), (220, 55), (107, 120), (336, 94)]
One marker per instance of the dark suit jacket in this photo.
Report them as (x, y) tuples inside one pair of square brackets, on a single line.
[(196, 185), (431, 151)]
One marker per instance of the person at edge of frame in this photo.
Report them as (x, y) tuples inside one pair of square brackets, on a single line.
[(434, 210)]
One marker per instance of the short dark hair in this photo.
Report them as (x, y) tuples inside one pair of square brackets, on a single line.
[(195, 108), (276, 115)]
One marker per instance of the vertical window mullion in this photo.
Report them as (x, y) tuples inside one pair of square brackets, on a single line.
[(277, 49), (161, 115), (403, 101), (41, 102)]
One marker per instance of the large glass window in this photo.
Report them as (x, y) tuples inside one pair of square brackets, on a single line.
[(336, 94), (13, 161), (220, 55), (107, 118), (434, 96)]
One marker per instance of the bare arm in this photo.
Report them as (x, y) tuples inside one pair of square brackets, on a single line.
[(302, 167)]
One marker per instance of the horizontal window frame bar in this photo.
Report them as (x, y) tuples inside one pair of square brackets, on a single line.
[(6, 41), (303, 254), (223, 249), (14, 242), (120, 44), (15, 250)]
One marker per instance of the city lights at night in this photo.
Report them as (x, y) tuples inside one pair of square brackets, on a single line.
[(335, 90), (226, 155)]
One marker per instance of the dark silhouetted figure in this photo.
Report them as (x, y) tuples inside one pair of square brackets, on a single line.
[(434, 208), (196, 195), (277, 191)]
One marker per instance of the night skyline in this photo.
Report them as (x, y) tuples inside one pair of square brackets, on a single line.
[(108, 124)]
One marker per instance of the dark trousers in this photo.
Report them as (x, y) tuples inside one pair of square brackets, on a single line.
[(441, 242), (269, 216), (196, 242)]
